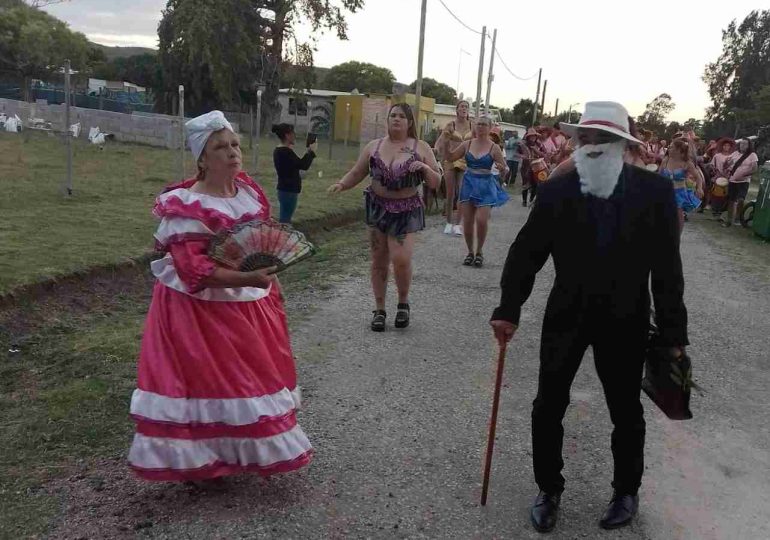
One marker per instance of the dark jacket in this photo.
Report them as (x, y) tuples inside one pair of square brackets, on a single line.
[(604, 252), (287, 166)]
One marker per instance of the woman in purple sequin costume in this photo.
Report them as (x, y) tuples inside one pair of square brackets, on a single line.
[(397, 164)]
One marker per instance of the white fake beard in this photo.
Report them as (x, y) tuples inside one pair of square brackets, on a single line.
[(599, 175)]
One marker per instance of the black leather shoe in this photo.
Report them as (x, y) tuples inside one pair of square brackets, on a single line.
[(621, 510), (545, 511)]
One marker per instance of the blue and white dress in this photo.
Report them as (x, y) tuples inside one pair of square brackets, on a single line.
[(480, 186), (685, 199)]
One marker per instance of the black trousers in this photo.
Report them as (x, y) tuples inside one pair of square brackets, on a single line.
[(619, 360), (513, 167)]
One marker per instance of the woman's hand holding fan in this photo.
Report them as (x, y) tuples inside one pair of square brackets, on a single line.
[(260, 247), (262, 278)]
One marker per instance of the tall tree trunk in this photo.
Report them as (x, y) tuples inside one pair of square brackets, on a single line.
[(270, 98)]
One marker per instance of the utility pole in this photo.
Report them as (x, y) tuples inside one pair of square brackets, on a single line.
[(481, 73), (556, 109), (490, 75), (420, 54), (542, 99), (537, 97), (67, 133), (181, 130), (258, 131)]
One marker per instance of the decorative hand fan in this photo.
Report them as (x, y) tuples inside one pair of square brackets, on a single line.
[(260, 244)]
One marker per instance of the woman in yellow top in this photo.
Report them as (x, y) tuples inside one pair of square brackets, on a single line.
[(457, 131)]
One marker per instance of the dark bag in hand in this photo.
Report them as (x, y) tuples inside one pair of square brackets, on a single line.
[(667, 380)]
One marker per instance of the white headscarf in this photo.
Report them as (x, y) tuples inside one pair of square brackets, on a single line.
[(200, 128)]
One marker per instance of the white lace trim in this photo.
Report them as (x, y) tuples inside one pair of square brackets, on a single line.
[(233, 412), (246, 201), (175, 226), (183, 454)]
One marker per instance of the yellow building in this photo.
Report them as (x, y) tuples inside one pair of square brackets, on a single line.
[(361, 118), (348, 112)]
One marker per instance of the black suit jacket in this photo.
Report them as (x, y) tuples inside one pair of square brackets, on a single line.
[(604, 253)]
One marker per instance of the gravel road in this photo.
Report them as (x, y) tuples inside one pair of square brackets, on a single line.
[(399, 419)]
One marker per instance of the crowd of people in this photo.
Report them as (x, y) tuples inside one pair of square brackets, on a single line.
[(711, 175), (217, 392)]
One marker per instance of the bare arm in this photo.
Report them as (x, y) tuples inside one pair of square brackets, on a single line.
[(357, 173), (430, 167), (499, 158), (697, 175), (456, 153)]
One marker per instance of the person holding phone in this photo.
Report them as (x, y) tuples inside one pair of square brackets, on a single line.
[(288, 166)]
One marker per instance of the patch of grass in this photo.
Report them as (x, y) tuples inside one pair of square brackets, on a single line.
[(65, 396), (45, 234)]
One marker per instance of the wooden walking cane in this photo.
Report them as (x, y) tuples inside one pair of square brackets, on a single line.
[(493, 423)]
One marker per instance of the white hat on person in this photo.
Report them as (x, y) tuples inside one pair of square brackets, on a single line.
[(605, 116), (200, 128)]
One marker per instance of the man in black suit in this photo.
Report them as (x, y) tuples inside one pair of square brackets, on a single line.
[(609, 227)]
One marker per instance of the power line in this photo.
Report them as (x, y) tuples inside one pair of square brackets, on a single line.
[(497, 52), (458, 18)]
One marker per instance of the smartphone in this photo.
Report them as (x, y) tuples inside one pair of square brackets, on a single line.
[(311, 138)]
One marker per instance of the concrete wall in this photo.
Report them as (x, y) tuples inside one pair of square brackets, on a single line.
[(150, 129)]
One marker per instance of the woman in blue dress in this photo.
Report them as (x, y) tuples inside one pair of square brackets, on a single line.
[(480, 190), (678, 167)]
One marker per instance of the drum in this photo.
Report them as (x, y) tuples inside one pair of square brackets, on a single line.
[(539, 169), (718, 198), (719, 189)]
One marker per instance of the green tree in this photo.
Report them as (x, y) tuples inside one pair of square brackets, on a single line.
[(671, 129), (522, 112), (223, 68), (321, 119), (35, 44), (695, 125), (762, 104), (655, 113), (739, 73), (442, 93), (366, 78), (141, 69)]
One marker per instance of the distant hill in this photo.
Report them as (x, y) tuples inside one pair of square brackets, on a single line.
[(122, 52)]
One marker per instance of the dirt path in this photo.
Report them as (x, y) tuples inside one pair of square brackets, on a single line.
[(398, 420)]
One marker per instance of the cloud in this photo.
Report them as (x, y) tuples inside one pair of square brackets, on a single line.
[(125, 40)]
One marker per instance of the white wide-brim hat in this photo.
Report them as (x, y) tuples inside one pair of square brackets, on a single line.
[(605, 116)]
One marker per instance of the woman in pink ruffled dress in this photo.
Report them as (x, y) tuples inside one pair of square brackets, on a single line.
[(217, 392)]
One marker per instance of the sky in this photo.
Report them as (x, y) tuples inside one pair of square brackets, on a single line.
[(598, 50)]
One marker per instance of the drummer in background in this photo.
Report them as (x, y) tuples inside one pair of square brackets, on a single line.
[(532, 149), (742, 165), (557, 136), (548, 143), (725, 147)]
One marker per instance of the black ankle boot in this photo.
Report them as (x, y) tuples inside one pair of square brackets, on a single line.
[(621, 510), (545, 511), (402, 316)]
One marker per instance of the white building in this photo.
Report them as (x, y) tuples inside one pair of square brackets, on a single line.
[(295, 105), (95, 85)]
